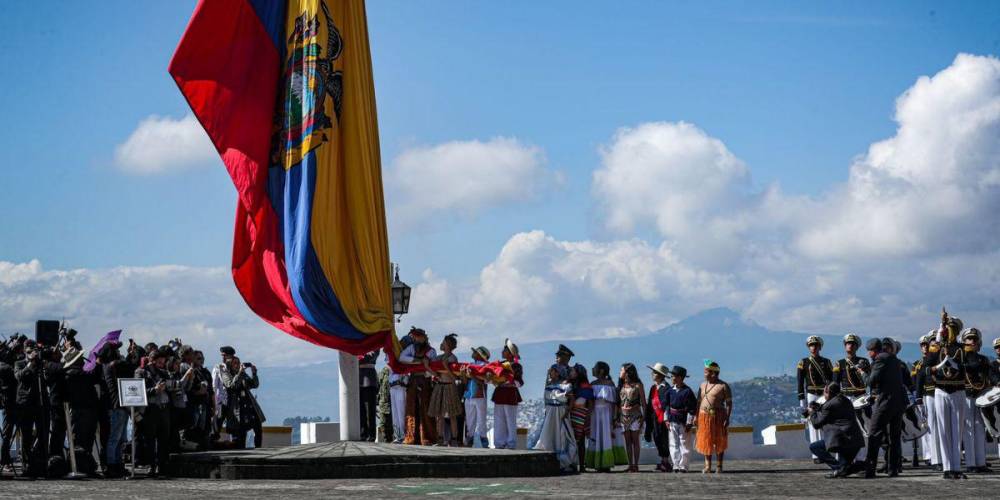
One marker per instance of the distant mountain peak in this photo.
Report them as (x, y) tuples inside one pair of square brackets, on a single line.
[(718, 318)]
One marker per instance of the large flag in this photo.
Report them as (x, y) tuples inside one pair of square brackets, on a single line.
[(284, 89)]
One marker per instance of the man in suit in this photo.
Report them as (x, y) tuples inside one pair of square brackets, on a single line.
[(885, 383), (841, 432)]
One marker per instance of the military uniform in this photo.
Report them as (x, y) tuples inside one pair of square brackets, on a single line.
[(850, 373), (385, 430), (947, 366), (977, 378), (929, 444), (814, 373)]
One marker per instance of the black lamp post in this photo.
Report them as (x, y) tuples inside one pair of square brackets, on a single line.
[(400, 295)]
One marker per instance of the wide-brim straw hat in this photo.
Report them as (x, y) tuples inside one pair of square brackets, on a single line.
[(659, 368), (482, 352), (512, 347)]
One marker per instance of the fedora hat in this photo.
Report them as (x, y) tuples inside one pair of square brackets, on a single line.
[(680, 371), (659, 368)]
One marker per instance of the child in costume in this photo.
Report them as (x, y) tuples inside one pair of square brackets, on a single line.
[(446, 402), (506, 398), (682, 409), (475, 401), (656, 417), (579, 414)]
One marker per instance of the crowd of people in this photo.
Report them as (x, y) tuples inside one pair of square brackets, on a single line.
[(859, 406), (64, 408), (591, 422)]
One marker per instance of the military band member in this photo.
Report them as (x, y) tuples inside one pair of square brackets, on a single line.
[(977, 381), (814, 372), (850, 372), (948, 372), (925, 399)]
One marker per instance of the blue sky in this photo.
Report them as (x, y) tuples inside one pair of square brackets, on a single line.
[(797, 91)]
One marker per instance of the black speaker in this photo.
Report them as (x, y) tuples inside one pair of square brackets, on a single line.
[(47, 332)]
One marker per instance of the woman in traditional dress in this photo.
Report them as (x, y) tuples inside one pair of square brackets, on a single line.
[(579, 414), (446, 400), (557, 434), (715, 406), (632, 395), (600, 452)]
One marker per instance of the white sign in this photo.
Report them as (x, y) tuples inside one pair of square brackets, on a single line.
[(132, 392)]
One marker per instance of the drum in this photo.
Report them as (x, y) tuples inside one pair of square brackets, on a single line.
[(863, 410), (914, 423), (989, 406)]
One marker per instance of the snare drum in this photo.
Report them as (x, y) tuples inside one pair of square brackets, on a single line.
[(863, 410), (989, 406), (914, 423)]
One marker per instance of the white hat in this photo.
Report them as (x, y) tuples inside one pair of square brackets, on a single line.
[(660, 368), (814, 339)]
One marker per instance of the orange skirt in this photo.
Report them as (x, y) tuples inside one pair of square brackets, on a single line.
[(713, 436)]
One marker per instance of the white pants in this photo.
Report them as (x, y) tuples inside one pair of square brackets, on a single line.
[(929, 442), (475, 418), (973, 435), (950, 412), (505, 426), (397, 397), (814, 433), (680, 446)]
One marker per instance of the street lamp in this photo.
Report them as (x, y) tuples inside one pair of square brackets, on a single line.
[(400, 295)]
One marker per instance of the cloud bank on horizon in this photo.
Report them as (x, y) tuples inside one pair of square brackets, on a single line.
[(915, 225)]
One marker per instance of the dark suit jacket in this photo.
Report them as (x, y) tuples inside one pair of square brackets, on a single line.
[(886, 382), (839, 424)]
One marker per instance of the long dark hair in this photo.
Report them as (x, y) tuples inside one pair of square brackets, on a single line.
[(631, 375), (581, 374)]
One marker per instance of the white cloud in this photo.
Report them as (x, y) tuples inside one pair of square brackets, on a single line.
[(915, 226), (165, 144), (934, 187), (464, 177), (199, 305)]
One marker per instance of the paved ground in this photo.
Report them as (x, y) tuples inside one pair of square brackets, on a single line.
[(750, 479)]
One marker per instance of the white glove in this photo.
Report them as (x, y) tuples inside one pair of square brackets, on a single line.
[(803, 404), (942, 364)]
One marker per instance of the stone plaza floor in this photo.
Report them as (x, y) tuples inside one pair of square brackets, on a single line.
[(743, 479)]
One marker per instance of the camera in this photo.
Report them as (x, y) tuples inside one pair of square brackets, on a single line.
[(247, 365)]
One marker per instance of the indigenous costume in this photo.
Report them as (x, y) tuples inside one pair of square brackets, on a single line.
[(850, 372), (813, 373), (419, 425), (656, 422), (977, 380), (446, 401), (556, 435), (506, 397), (579, 415), (682, 409), (948, 368), (714, 404), (600, 452), (475, 404)]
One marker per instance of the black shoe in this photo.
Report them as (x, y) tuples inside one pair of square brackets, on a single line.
[(939, 468), (869, 475), (894, 474), (948, 475), (833, 475), (817, 461)]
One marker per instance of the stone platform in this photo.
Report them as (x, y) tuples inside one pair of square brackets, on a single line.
[(359, 460)]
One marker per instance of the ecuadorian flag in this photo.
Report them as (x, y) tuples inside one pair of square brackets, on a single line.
[(284, 89)]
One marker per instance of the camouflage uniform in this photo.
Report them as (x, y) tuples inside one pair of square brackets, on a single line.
[(384, 407)]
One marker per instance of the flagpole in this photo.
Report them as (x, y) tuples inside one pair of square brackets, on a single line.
[(350, 403)]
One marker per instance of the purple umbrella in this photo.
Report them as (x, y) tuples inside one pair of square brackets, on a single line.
[(92, 357)]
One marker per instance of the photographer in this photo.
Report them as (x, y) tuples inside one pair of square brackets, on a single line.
[(55, 385), (838, 425), (244, 412), (31, 421), (156, 419), (199, 403), (182, 373), (9, 352)]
